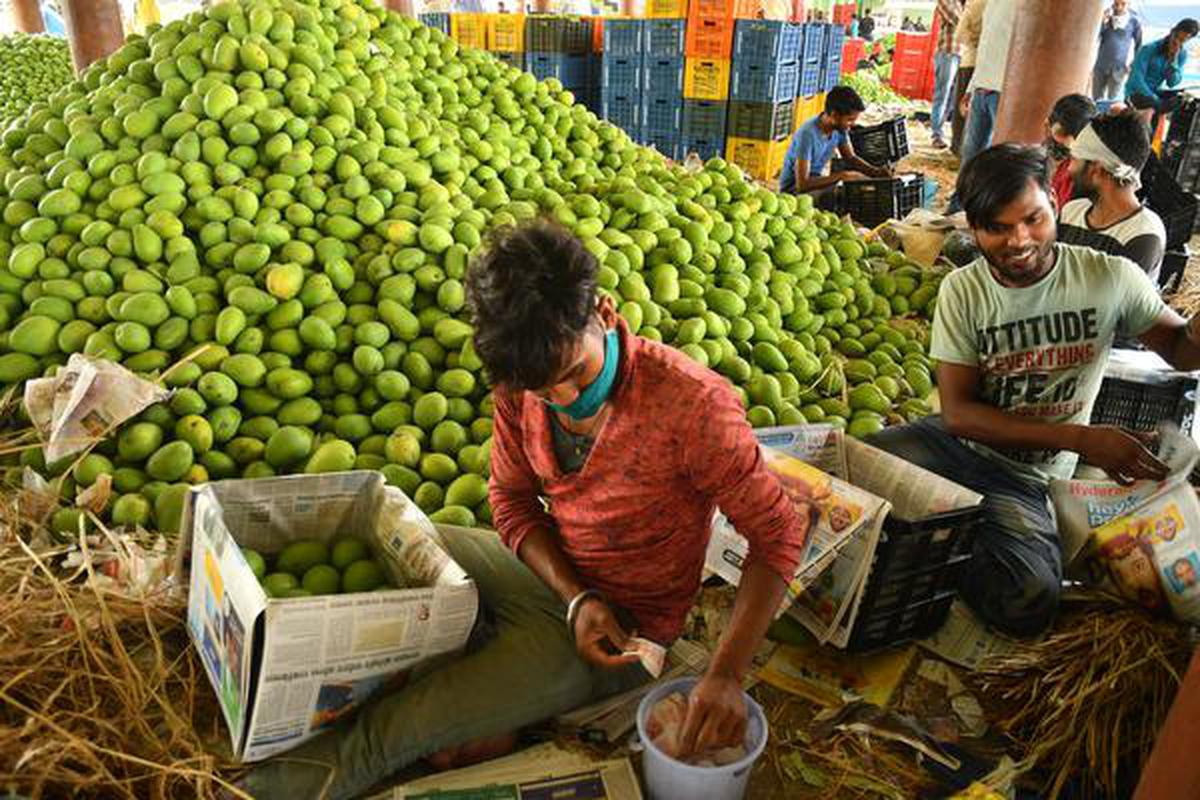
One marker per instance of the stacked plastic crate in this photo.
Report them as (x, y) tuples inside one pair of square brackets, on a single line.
[(708, 49), (831, 61), (439, 21), (469, 29), (560, 47), (621, 75), (506, 38), (763, 90), (662, 85), (812, 58), (912, 64)]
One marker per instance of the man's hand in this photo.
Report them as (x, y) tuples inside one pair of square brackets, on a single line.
[(1122, 454), (851, 175), (599, 638), (716, 715), (885, 171)]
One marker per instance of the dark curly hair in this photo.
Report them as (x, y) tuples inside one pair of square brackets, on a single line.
[(996, 177), (531, 295)]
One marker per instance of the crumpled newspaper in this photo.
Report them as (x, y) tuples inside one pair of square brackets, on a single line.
[(84, 401)]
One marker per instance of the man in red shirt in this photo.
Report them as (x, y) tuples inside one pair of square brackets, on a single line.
[(610, 455)]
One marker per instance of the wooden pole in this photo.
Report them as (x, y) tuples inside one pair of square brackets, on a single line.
[(1047, 59), (94, 30), (27, 16), (402, 7)]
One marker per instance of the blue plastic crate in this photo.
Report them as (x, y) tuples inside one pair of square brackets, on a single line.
[(571, 69), (623, 37), (667, 143), (831, 72), (771, 83), (766, 41), (623, 111), (512, 59), (663, 38), (662, 114), (663, 77), (704, 119), (814, 40), (621, 73), (810, 79), (439, 21), (703, 148)]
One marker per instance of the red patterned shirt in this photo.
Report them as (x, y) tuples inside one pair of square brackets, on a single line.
[(636, 519)]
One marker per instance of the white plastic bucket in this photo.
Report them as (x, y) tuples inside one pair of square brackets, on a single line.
[(668, 779)]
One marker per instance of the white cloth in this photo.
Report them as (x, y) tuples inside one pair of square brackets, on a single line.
[(992, 55), (1089, 147)]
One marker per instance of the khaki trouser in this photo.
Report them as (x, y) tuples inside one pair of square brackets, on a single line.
[(525, 672)]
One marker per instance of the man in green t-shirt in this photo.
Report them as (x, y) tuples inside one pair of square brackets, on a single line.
[(1021, 336)]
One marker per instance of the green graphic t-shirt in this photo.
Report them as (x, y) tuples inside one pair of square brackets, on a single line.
[(1041, 349)]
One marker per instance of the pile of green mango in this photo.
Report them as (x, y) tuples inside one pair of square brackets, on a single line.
[(32, 67), (271, 205), (310, 567)]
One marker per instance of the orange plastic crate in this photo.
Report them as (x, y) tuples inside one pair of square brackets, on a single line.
[(711, 9), (469, 30), (708, 37), (762, 160), (706, 78), (597, 34), (506, 33), (662, 9)]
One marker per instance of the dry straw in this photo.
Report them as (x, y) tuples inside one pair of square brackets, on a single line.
[(1087, 701), (100, 694)]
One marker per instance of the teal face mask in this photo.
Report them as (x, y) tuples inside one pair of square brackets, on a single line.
[(588, 403)]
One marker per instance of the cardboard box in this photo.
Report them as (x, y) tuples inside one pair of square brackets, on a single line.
[(285, 669)]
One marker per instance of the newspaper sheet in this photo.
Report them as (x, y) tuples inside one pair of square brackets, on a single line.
[(286, 669), (964, 640), (1141, 541), (839, 513), (538, 773), (85, 400)]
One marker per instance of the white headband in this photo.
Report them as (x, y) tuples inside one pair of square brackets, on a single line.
[(1089, 147)]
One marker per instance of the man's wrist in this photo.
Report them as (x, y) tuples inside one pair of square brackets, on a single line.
[(576, 604)]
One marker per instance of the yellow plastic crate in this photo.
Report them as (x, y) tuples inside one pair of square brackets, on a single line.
[(706, 78), (506, 33), (761, 159), (469, 30), (807, 108), (663, 9)]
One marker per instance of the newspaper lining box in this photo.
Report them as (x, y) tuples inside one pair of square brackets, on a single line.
[(832, 582), (285, 669)]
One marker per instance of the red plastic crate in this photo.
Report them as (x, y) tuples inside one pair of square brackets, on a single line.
[(798, 11), (708, 37), (853, 51)]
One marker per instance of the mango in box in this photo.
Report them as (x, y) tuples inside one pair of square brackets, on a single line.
[(309, 568)]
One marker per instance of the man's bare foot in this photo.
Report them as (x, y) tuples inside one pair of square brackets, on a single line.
[(473, 752)]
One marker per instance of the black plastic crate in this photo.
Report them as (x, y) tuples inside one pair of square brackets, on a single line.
[(885, 143), (704, 120), (767, 41), (663, 38), (914, 577), (762, 121), (764, 83), (439, 21), (558, 34), (811, 76), (1171, 272), (873, 202), (622, 74), (703, 148), (663, 77), (1141, 405), (623, 37), (661, 115), (1177, 208), (1182, 161), (1185, 122)]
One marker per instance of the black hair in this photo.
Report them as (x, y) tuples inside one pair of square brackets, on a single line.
[(997, 176), (1073, 112), (1186, 25), (844, 100), (1127, 135), (531, 294)]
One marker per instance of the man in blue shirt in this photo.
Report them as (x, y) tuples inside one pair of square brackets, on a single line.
[(1157, 64), (813, 146), (1120, 38)]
